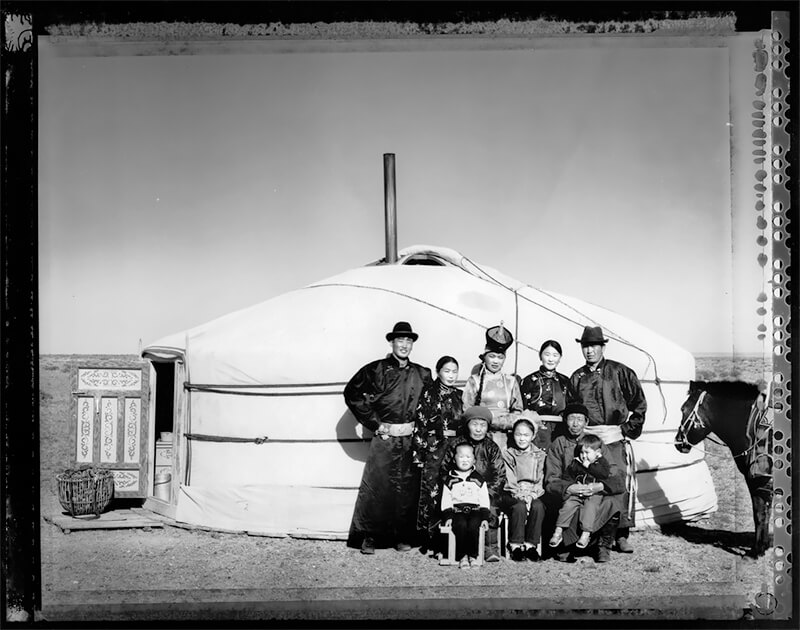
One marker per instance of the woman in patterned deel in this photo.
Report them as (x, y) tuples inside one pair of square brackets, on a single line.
[(547, 392), (490, 387), (438, 418)]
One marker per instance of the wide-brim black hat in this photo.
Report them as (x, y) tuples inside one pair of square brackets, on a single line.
[(592, 336), (402, 329)]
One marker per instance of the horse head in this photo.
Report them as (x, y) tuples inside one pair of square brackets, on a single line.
[(694, 425)]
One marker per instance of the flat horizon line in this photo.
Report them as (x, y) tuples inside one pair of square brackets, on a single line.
[(733, 355)]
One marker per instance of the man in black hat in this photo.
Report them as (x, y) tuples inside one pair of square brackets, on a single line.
[(616, 407), (383, 396), (559, 485)]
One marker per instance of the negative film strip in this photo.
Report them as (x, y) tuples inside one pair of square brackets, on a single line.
[(776, 602)]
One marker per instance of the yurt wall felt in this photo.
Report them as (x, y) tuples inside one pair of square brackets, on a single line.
[(273, 431)]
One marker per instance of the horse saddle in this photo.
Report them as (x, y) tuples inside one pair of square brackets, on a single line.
[(759, 435)]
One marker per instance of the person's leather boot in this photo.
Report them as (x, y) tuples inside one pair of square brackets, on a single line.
[(532, 555), (623, 546), (491, 547), (368, 546), (604, 544)]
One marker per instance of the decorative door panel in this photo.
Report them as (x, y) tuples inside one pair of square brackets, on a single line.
[(111, 424)]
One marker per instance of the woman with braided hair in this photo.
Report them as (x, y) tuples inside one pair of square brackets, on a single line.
[(438, 418), (489, 387)]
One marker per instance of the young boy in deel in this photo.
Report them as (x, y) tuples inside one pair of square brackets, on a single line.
[(465, 505)]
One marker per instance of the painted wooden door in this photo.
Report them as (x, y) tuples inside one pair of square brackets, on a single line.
[(111, 424)]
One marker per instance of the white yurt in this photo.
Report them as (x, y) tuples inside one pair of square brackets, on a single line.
[(262, 440)]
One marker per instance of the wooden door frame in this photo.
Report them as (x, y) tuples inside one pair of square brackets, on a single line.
[(179, 413)]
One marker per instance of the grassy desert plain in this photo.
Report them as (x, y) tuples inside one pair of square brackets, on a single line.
[(692, 571)]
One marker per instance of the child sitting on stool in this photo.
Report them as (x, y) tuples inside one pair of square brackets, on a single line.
[(588, 468), (465, 505), (521, 495), (488, 463)]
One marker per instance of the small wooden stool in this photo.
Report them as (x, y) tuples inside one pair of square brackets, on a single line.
[(450, 557)]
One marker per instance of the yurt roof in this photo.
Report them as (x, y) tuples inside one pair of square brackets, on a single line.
[(340, 323)]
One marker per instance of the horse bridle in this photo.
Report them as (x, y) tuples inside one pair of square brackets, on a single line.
[(694, 419)]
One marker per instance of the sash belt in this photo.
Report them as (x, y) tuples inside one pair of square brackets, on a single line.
[(399, 430), (611, 433)]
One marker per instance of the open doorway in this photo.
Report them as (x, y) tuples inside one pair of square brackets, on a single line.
[(164, 417)]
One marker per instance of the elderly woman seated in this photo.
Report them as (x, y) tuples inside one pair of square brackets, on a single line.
[(560, 484), (488, 463)]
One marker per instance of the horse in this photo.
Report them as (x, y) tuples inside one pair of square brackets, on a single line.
[(738, 413)]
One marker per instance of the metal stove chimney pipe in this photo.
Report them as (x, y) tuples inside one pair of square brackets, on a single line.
[(390, 205)]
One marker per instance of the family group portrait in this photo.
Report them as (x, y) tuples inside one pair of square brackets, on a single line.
[(488, 450), (392, 313)]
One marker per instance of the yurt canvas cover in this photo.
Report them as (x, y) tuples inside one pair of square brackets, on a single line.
[(265, 443)]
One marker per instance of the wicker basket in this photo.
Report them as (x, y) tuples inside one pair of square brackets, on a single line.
[(86, 491)]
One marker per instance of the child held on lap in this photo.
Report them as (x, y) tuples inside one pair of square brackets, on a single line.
[(588, 468), (465, 505)]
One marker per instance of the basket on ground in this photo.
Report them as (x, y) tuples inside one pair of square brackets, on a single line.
[(85, 491)]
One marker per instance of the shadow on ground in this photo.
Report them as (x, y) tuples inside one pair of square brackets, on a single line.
[(736, 543)]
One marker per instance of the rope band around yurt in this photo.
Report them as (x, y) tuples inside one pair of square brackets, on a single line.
[(202, 437)]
